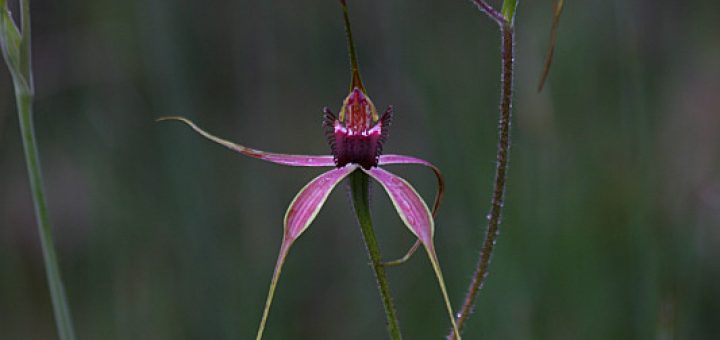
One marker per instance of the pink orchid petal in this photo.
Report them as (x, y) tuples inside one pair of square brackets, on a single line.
[(417, 217), (400, 159), (278, 158), (410, 206), (301, 212), (311, 198)]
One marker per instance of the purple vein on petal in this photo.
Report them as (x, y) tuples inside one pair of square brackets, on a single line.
[(306, 205), (278, 158), (410, 206), (417, 217), (400, 159), (301, 212)]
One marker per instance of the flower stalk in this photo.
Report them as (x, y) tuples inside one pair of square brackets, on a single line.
[(505, 20), (359, 186), (17, 54)]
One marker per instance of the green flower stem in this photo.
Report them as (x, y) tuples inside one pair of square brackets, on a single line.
[(18, 58), (360, 198), (57, 291)]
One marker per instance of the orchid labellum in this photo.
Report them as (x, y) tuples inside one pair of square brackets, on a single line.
[(356, 137)]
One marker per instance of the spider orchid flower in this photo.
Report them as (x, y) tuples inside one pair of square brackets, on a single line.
[(356, 137)]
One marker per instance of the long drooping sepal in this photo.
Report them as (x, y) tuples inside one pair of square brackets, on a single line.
[(301, 212), (311, 198), (408, 203), (278, 158), (432, 255), (400, 159), (284, 248), (417, 217)]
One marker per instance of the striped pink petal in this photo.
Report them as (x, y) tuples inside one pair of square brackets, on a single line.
[(310, 199), (278, 158), (417, 217), (302, 211), (400, 159), (410, 206)]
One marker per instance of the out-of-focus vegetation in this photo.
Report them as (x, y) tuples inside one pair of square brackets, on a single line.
[(612, 225)]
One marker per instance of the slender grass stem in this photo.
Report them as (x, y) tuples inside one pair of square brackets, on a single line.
[(57, 291), (20, 64), (360, 198), (502, 160)]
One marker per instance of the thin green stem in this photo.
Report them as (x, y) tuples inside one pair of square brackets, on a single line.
[(57, 291), (24, 93), (359, 182), (25, 51), (355, 80)]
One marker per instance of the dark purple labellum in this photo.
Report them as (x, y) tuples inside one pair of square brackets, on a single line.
[(357, 136)]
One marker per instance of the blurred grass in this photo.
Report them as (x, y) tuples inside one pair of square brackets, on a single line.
[(614, 193)]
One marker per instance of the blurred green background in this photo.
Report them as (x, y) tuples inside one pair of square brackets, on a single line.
[(612, 225)]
